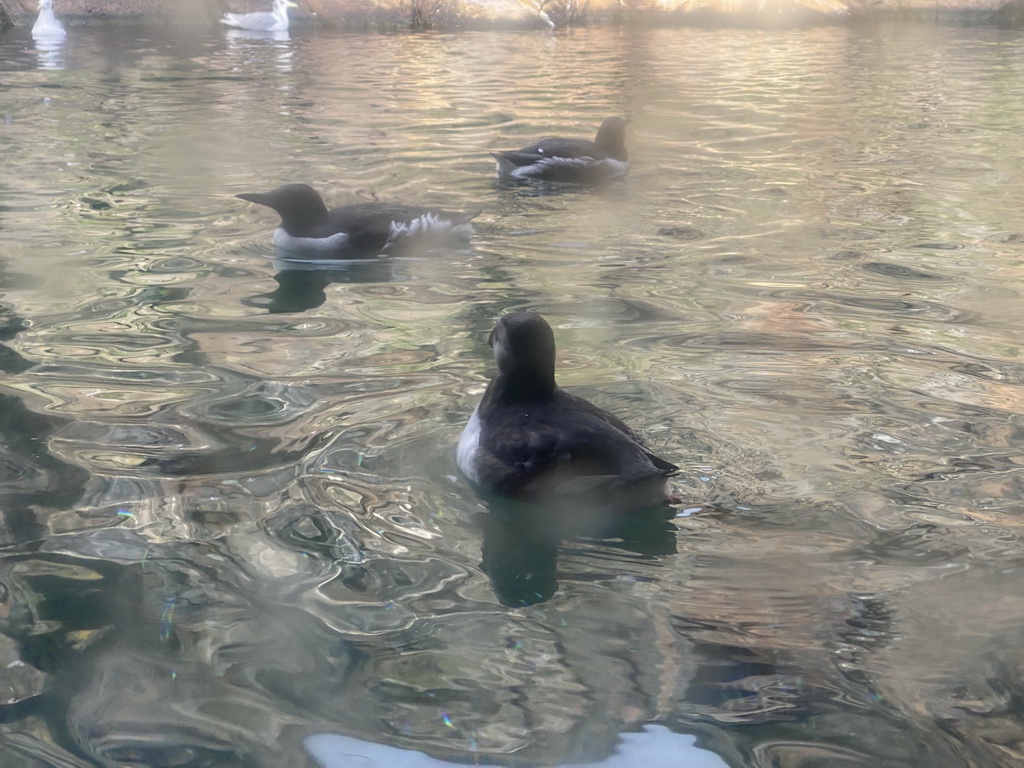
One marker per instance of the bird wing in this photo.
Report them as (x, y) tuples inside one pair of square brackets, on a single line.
[(539, 450), (586, 406), (260, 21), (372, 226), (546, 149)]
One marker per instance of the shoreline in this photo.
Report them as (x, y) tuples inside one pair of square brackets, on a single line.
[(450, 15)]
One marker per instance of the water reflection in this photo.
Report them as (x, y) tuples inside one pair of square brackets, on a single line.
[(519, 557), (609, 189), (10, 325), (242, 35), (50, 52), (33, 480), (655, 746), (301, 286), (228, 529), (109, 633), (245, 46), (521, 543)]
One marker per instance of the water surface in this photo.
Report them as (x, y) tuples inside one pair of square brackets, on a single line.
[(231, 516)]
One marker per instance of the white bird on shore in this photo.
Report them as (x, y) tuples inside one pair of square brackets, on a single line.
[(263, 21), (47, 25)]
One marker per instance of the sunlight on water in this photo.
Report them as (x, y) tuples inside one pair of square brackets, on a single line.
[(233, 531)]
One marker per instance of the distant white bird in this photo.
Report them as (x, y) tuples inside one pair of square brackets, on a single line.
[(274, 21), (47, 25)]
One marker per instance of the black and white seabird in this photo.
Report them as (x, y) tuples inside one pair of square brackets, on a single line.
[(47, 25), (275, 20), (362, 230), (532, 441), (577, 161)]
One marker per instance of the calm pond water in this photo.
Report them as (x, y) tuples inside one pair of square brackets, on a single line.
[(232, 528)]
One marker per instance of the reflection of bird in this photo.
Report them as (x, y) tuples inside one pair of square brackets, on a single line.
[(274, 21), (354, 231), (300, 288), (530, 440), (570, 160), (519, 556), (47, 24), (521, 543)]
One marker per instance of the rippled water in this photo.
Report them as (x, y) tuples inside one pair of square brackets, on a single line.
[(231, 516)]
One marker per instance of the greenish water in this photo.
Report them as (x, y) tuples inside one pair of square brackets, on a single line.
[(230, 513)]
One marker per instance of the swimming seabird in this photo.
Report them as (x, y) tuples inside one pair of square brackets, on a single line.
[(530, 440), (362, 230), (570, 160)]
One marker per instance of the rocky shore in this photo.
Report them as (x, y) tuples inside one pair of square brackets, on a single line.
[(445, 14)]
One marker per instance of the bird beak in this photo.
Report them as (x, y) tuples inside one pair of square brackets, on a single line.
[(253, 197)]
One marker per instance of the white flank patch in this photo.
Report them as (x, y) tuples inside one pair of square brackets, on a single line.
[(609, 166), (469, 444), (310, 245), (428, 222)]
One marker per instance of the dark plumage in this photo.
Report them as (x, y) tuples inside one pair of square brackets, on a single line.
[(570, 160), (362, 230), (530, 440)]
